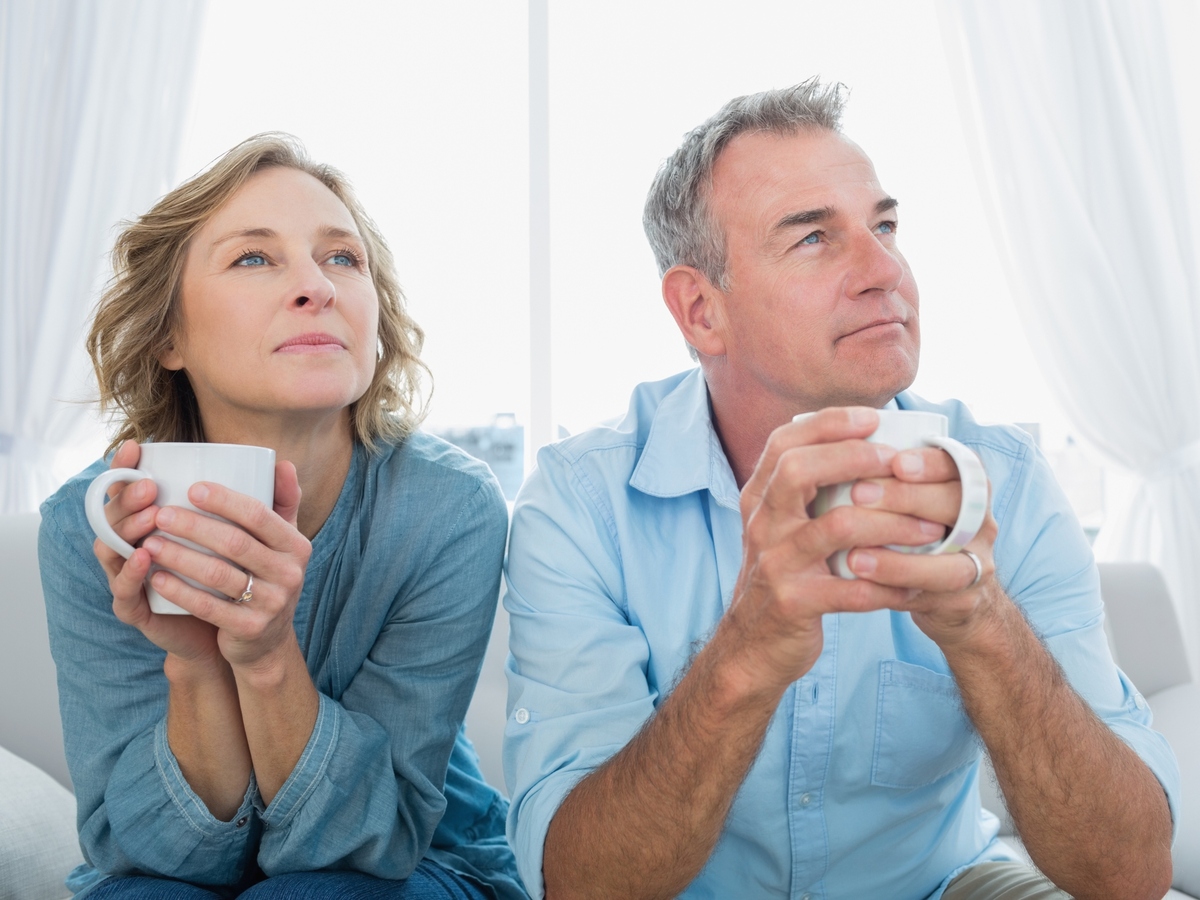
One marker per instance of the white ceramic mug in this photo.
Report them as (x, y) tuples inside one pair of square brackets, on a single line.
[(175, 468), (907, 429)]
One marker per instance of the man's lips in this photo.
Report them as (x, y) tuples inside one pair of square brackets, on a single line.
[(878, 323), (312, 341)]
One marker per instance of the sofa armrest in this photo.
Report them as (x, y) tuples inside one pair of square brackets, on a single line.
[(38, 842), (1177, 717)]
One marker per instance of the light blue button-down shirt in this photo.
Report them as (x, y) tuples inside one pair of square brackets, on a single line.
[(623, 554)]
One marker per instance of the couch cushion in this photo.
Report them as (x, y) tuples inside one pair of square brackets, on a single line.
[(1177, 716), (38, 843)]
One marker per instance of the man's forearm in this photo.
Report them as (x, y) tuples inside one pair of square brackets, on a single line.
[(1092, 815), (644, 824)]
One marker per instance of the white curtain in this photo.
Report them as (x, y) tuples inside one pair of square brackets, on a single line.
[(92, 102), (1074, 127)]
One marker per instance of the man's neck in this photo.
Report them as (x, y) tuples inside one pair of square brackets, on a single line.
[(745, 414)]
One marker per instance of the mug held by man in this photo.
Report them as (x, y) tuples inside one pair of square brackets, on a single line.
[(174, 468), (908, 430)]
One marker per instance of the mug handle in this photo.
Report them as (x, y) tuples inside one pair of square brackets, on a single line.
[(93, 506), (973, 508)]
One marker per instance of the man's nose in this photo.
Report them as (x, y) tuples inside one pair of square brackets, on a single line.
[(311, 289), (875, 266)]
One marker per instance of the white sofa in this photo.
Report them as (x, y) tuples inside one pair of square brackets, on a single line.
[(1143, 632), (37, 828)]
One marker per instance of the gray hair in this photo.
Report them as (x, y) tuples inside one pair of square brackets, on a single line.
[(677, 219)]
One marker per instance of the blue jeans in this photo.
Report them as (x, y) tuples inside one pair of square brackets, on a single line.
[(429, 882)]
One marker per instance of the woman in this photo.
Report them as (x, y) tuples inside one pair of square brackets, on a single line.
[(306, 742)]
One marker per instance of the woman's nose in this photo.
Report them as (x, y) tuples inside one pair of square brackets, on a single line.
[(312, 290)]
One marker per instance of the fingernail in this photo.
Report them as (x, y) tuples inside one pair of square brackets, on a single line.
[(199, 491), (861, 415), (866, 492), (863, 562), (932, 528), (159, 579), (166, 515), (912, 463), (153, 544), (886, 454)]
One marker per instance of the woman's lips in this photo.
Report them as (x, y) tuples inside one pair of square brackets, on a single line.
[(313, 342)]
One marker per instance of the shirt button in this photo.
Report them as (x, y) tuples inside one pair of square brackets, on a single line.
[(1139, 701), (806, 897), (242, 821), (521, 715), (805, 799)]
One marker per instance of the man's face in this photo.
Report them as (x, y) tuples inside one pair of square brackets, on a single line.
[(821, 308)]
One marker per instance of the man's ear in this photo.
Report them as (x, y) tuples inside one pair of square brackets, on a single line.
[(696, 306)]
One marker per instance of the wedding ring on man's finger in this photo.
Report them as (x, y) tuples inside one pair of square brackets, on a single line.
[(969, 555), (248, 593)]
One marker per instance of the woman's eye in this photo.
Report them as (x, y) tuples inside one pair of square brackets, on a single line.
[(251, 259), (342, 259)]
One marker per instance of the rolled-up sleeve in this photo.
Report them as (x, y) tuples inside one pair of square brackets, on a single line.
[(577, 671), (136, 812), (1046, 563), (367, 793)]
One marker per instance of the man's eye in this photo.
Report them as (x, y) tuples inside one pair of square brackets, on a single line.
[(814, 238), (250, 259), (887, 227)]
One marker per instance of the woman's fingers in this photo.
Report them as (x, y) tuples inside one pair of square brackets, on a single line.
[(287, 492), (127, 584), (211, 571)]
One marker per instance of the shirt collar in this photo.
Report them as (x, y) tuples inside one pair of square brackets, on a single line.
[(683, 453)]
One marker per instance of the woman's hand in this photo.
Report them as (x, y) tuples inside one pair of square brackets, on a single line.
[(131, 512), (262, 542)]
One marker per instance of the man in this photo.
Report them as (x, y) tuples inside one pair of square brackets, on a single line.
[(698, 707)]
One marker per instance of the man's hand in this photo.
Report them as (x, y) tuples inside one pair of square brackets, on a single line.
[(785, 585), (945, 602)]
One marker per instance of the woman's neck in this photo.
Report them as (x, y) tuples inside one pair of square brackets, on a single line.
[(321, 453)]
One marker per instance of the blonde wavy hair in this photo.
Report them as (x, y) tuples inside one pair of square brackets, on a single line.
[(139, 315)]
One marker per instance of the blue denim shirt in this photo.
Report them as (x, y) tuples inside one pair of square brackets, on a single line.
[(393, 620), (624, 550)]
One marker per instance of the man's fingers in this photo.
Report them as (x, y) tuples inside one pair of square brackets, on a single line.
[(944, 573), (825, 427), (924, 464), (846, 527), (939, 502)]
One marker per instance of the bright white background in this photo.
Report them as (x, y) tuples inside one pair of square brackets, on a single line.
[(424, 106)]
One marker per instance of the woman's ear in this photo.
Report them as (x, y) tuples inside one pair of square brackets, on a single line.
[(696, 307), (171, 359)]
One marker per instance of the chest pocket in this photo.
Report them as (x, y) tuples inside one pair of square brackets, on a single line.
[(921, 731)]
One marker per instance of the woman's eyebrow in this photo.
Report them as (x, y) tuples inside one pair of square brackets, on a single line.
[(244, 233)]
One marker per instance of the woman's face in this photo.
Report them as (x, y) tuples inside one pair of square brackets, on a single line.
[(280, 315)]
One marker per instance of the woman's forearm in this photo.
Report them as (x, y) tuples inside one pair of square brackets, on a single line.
[(279, 707), (204, 729)]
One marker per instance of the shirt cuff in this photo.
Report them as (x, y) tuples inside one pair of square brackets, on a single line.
[(309, 769), (189, 804)]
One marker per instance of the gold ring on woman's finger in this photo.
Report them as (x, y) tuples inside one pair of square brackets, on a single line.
[(248, 593)]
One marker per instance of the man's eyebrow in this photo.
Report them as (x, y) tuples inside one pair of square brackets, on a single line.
[(824, 213), (806, 217), (329, 231)]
